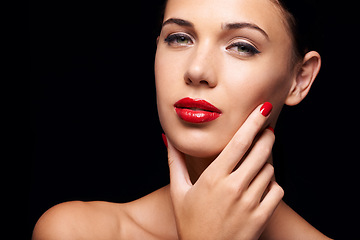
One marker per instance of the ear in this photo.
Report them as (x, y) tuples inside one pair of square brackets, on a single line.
[(304, 78)]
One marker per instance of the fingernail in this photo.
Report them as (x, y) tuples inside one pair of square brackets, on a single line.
[(164, 139), (266, 109), (271, 129)]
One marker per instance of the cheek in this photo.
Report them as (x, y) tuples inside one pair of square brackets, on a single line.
[(167, 84), (168, 72), (266, 77), (249, 84), (259, 86)]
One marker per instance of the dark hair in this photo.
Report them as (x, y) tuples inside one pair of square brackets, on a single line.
[(302, 20)]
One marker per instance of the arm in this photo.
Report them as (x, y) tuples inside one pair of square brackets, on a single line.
[(287, 224)]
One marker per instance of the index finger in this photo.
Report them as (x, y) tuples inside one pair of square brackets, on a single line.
[(242, 140)]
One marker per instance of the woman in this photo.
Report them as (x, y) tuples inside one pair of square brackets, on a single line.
[(223, 71)]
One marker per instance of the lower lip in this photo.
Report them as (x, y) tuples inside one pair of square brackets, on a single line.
[(196, 116)]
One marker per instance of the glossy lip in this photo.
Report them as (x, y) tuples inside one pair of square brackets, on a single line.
[(196, 110)]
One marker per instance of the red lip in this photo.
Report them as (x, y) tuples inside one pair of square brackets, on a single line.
[(196, 110)]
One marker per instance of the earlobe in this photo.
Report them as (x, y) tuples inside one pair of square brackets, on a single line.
[(304, 78)]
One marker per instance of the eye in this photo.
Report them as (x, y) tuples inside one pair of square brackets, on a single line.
[(178, 39), (243, 48)]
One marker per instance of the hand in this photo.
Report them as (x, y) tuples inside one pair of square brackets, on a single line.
[(225, 203)]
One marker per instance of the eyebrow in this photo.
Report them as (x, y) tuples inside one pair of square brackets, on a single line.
[(239, 25), (178, 21)]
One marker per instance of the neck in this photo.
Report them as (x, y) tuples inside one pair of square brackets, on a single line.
[(196, 166)]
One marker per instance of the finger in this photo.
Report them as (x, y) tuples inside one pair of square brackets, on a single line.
[(255, 160), (272, 198), (261, 182), (179, 176), (242, 140)]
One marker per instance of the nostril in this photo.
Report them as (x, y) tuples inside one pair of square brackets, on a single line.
[(188, 81), (199, 81), (203, 82)]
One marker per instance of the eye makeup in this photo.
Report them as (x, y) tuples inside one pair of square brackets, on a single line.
[(178, 39), (243, 48)]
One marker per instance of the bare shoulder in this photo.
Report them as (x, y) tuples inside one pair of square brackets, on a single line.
[(149, 217), (80, 220)]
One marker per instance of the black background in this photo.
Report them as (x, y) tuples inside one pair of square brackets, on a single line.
[(94, 131)]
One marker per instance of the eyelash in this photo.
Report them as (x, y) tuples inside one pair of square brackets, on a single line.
[(248, 49), (170, 40)]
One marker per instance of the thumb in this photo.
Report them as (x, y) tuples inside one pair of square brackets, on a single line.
[(179, 176)]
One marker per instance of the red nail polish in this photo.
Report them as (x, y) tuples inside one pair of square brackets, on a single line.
[(271, 129), (164, 139), (266, 109)]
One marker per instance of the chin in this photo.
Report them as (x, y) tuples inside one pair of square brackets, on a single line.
[(197, 142), (200, 151)]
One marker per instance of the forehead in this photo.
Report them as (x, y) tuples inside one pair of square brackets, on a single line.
[(207, 14)]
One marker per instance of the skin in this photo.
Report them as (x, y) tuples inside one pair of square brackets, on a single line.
[(204, 190)]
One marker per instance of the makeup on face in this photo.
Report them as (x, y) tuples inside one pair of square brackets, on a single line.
[(214, 64), (196, 110)]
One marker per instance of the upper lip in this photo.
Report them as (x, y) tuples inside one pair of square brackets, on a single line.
[(196, 104)]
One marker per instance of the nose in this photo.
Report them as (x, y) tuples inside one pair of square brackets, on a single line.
[(201, 68)]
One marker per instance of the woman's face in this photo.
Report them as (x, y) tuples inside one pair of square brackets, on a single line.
[(234, 54)]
